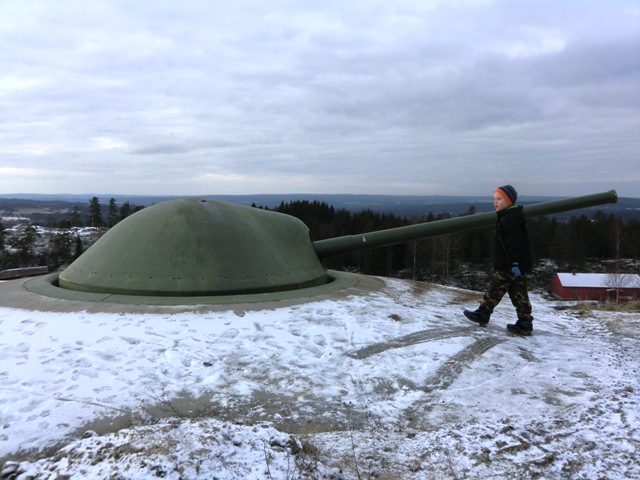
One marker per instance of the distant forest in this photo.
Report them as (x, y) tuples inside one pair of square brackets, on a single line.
[(568, 244)]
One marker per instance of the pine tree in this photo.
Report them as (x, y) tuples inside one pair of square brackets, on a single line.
[(95, 213), (128, 209), (59, 251), (27, 247), (112, 213), (74, 219), (78, 247)]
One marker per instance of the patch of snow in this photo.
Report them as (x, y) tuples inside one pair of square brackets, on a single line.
[(395, 382)]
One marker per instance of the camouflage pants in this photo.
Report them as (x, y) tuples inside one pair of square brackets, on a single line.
[(501, 283)]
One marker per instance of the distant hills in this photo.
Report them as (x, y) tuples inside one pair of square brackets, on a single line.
[(400, 205)]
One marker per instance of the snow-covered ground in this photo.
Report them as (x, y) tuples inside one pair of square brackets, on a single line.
[(395, 383)]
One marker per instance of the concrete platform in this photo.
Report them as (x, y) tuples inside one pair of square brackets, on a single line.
[(41, 293)]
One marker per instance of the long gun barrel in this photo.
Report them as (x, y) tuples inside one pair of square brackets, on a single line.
[(382, 238)]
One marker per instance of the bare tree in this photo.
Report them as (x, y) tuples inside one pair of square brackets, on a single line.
[(620, 281)]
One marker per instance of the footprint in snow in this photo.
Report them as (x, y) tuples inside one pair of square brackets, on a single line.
[(230, 333)]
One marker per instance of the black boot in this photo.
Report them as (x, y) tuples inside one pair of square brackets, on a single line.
[(524, 326), (479, 316)]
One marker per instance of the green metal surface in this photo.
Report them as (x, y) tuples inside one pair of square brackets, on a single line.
[(193, 247), (382, 238)]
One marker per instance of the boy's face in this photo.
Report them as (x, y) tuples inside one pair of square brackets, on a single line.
[(499, 202)]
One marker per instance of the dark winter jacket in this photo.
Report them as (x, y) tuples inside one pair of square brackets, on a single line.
[(512, 241)]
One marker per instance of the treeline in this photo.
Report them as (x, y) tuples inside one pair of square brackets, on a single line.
[(95, 217), (31, 245), (439, 258), (568, 244)]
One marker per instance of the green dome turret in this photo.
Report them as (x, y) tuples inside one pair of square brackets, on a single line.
[(194, 247)]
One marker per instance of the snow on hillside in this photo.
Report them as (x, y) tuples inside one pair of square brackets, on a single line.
[(391, 384)]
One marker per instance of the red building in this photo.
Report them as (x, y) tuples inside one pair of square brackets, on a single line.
[(595, 286)]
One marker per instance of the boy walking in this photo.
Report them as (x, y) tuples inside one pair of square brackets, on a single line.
[(512, 263)]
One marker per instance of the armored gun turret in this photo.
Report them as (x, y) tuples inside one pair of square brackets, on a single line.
[(197, 248)]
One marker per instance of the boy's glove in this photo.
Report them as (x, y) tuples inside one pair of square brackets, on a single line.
[(515, 270)]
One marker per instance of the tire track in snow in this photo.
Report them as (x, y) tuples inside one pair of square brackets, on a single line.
[(412, 339), (444, 377)]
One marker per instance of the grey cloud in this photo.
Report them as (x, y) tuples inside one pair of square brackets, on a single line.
[(589, 63), (162, 148), (373, 94)]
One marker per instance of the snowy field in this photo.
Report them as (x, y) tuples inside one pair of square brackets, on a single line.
[(394, 384)]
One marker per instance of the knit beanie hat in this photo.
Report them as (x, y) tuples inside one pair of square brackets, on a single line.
[(508, 193)]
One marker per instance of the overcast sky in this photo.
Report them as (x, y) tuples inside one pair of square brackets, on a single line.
[(361, 96)]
